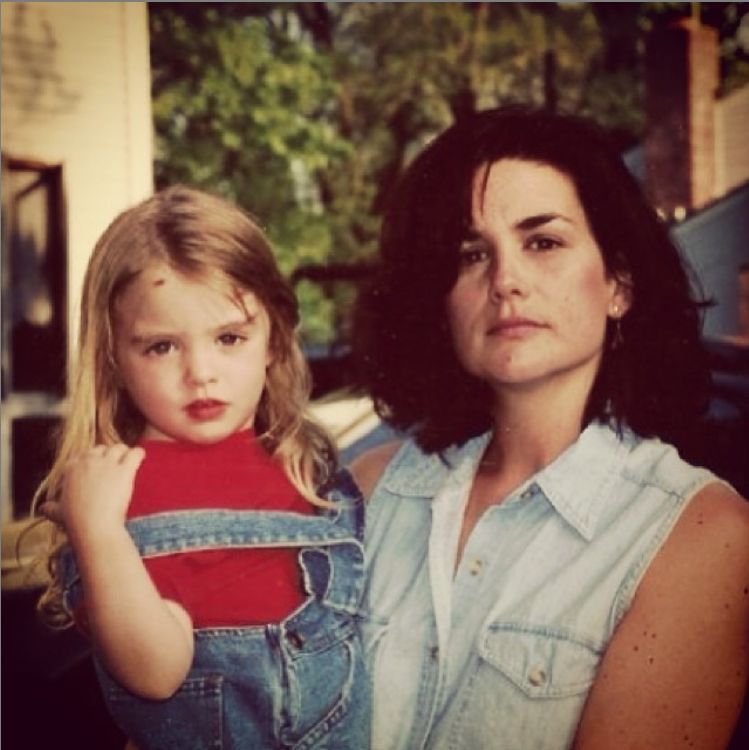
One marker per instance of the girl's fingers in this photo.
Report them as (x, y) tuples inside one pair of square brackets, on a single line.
[(133, 456), (118, 451), (52, 511)]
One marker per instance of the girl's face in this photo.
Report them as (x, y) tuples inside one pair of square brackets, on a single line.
[(193, 362), (532, 295)]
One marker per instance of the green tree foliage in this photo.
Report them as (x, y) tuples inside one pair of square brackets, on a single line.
[(241, 105), (306, 113)]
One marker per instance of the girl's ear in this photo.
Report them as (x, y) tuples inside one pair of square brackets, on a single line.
[(114, 370), (270, 354)]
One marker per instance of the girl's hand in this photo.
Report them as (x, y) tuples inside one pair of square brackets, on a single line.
[(145, 641), (97, 489)]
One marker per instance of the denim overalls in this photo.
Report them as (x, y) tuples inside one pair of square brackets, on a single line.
[(300, 683)]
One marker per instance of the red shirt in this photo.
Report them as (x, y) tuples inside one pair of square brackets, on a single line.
[(221, 587)]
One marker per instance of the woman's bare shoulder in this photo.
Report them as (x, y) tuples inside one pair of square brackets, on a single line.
[(368, 467), (710, 542), (716, 521), (676, 665)]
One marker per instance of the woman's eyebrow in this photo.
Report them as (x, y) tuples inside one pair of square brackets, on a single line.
[(537, 220), (472, 234)]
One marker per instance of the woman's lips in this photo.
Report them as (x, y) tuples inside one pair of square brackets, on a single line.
[(204, 410), (514, 328)]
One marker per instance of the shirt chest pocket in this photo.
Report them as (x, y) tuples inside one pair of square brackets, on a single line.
[(542, 662)]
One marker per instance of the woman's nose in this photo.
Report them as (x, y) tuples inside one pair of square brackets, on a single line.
[(508, 277)]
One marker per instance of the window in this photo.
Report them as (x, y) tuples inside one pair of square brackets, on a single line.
[(34, 337)]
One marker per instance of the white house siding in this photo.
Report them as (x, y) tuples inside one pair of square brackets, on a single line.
[(731, 141), (76, 92)]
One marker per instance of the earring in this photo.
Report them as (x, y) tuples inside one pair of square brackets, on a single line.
[(617, 339)]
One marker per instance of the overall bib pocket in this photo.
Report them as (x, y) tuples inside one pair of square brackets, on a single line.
[(191, 718), (329, 689)]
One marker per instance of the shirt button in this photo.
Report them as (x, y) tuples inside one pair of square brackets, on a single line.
[(527, 495), (295, 639), (537, 676), (434, 652), (475, 567)]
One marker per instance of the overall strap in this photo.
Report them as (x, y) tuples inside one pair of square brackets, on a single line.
[(336, 531), (335, 572)]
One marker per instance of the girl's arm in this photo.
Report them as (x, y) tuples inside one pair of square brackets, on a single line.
[(675, 671), (146, 642)]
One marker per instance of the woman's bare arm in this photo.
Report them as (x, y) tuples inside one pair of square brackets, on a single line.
[(675, 672), (368, 467)]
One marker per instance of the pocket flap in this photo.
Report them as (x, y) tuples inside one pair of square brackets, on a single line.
[(543, 662)]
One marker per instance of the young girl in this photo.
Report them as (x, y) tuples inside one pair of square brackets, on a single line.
[(219, 589)]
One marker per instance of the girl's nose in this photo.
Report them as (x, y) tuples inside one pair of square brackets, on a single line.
[(199, 367)]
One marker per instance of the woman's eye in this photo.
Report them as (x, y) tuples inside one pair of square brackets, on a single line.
[(230, 339), (470, 256), (542, 242), (160, 348)]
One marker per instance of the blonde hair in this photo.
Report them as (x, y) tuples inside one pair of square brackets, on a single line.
[(203, 237)]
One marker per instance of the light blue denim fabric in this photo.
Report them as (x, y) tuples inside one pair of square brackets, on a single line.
[(297, 684), (501, 653)]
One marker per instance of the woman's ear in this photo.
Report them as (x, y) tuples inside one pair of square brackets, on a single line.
[(621, 298)]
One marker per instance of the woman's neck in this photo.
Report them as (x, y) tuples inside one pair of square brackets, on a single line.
[(533, 425)]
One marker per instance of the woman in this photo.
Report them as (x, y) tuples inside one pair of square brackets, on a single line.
[(543, 568)]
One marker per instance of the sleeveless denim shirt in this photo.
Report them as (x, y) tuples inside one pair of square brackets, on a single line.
[(501, 653), (300, 683)]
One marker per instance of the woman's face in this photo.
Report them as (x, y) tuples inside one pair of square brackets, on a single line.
[(530, 303)]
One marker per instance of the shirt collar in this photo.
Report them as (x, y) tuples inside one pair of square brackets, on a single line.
[(579, 482), (413, 473)]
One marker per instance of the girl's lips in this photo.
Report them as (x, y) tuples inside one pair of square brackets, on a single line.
[(204, 410)]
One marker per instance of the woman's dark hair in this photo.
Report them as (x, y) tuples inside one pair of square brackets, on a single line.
[(655, 380)]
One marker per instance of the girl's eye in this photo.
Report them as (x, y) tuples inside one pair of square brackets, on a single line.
[(230, 339), (160, 348), (542, 242)]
